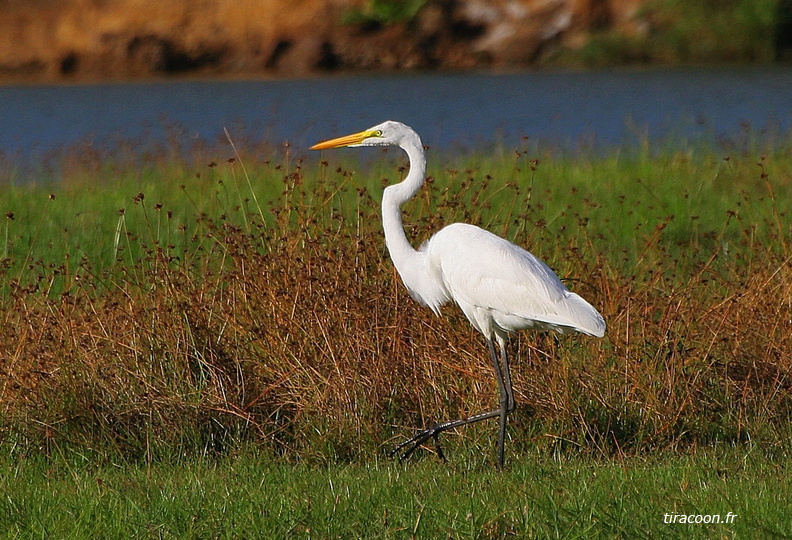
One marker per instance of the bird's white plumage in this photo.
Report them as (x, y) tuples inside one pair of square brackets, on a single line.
[(491, 278)]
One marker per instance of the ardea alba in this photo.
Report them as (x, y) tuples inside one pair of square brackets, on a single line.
[(500, 287)]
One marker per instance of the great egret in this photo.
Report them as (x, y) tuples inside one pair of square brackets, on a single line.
[(500, 287)]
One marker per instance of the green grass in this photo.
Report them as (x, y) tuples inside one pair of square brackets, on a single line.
[(246, 496), (698, 197)]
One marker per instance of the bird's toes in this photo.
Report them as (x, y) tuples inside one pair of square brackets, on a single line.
[(411, 445), (438, 449), (416, 441)]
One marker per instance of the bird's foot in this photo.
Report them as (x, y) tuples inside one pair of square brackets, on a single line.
[(415, 442)]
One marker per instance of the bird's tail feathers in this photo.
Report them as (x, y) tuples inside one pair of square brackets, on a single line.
[(572, 314), (582, 316)]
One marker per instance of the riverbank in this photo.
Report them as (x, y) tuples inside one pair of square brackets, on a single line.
[(86, 40)]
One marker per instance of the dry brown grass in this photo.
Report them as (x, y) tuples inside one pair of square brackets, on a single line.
[(296, 335)]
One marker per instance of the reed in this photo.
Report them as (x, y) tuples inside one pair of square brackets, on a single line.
[(196, 306)]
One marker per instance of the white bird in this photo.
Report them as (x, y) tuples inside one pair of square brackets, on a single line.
[(500, 287)]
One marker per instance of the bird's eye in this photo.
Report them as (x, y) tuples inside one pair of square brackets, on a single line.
[(378, 133)]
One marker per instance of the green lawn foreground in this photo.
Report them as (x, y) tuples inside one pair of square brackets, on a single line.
[(248, 496)]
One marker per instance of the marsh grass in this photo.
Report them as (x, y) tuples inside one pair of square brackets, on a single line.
[(190, 307)]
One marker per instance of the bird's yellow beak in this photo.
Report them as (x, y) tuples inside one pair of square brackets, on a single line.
[(347, 140)]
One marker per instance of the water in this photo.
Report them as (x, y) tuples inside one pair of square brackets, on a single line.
[(568, 109)]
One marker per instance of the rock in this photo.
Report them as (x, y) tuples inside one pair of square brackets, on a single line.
[(517, 30)]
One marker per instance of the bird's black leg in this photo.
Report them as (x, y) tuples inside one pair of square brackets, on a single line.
[(510, 405), (506, 394), (506, 406), (414, 442)]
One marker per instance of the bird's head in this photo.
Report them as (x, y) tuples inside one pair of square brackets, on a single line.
[(384, 134)]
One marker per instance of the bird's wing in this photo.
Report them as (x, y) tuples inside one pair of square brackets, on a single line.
[(483, 270)]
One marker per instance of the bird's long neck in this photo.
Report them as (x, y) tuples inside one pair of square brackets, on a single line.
[(394, 196)]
